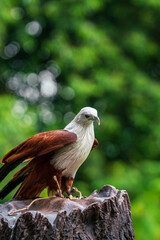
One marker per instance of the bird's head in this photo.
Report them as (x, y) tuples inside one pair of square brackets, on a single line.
[(87, 115)]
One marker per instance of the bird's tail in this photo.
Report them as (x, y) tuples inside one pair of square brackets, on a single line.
[(35, 177), (18, 178), (8, 167)]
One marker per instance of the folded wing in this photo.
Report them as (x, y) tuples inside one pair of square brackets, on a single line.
[(35, 146)]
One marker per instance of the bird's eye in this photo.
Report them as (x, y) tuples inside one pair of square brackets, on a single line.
[(87, 116)]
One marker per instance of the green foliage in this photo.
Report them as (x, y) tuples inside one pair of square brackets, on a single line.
[(59, 56)]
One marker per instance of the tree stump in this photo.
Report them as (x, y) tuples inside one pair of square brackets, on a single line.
[(103, 215)]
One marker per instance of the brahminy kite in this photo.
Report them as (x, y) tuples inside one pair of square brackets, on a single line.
[(55, 158)]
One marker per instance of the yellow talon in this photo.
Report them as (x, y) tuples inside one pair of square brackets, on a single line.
[(75, 190), (59, 192)]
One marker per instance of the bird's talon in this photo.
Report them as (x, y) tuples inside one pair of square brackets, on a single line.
[(74, 190), (70, 197), (59, 193)]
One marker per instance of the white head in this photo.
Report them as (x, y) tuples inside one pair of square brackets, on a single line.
[(86, 116)]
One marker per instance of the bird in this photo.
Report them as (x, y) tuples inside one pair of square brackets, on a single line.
[(55, 156)]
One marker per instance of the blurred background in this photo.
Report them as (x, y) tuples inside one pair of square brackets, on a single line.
[(59, 56)]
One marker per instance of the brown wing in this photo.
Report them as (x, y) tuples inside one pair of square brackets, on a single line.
[(35, 146), (95, 144), (40, 144)]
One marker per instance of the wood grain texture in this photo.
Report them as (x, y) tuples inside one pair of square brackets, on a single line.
[(103, 215)]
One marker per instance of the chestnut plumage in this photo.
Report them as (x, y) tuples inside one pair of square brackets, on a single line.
[(54, 153)]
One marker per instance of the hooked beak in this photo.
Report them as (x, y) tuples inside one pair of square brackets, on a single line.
[(96, 119)]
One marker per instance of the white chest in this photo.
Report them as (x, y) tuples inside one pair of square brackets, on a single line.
[(71, 157)]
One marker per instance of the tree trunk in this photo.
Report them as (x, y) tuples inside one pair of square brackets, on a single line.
[(103, 215)]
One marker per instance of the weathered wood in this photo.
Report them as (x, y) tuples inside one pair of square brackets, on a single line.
[(103, 215)]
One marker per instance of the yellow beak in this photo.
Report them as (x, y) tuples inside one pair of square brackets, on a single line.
[(96, 119)]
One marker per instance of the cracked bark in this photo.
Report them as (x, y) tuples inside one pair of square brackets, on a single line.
[(103, 215)]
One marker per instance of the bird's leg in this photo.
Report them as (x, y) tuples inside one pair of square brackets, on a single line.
[(73, 190), (59, 191)]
